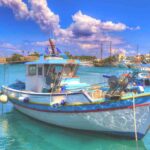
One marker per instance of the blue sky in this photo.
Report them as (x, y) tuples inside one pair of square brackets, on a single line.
[(77, 26)]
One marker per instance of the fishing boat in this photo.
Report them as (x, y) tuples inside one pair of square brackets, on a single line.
[(86, 63), (143, 76), (122, 64), (53, 93)]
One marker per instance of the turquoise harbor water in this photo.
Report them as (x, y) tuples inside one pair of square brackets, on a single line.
[(19, 132)]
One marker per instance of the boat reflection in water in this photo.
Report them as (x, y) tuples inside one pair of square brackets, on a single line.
[(24, 133)]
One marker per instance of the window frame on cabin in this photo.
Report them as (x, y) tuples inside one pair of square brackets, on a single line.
[(40, 70), (32, 70)]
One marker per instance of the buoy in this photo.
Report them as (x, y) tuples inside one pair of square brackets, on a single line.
[(3, 98), (58, 104), (24, 99), (12, 95)]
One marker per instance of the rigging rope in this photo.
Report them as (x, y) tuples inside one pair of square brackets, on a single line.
[(134, 115)]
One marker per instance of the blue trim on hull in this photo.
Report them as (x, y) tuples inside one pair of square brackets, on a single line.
[(123, 104), (130, 135)]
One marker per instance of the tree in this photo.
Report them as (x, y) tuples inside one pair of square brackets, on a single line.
[(35, 54), (14, 57), (68, 54)]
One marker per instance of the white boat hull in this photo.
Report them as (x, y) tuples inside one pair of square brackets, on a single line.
[(117, 121), (114, 117)]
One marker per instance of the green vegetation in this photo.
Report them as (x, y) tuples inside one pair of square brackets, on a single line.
[(106, 62), (18, 58), (82, 58), (68, 54), (110, 59), (14, 58), (34, 54)]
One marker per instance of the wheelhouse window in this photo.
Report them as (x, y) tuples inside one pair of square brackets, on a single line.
[(48, 69), (32, 70), (40, 71), (70, 70)]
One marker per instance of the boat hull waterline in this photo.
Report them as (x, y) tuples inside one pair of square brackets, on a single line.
[(112, 116), (112, 121)]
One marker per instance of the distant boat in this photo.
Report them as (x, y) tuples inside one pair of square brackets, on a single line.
[(54, 94), (86, 63), (122, 65)]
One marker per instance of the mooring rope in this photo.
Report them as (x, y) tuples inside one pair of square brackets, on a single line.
[(134, 115)]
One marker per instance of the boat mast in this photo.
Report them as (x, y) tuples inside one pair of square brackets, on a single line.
[(137, 49), (110, 51), (138, 56), (101, 49), (52, 45), (149, 57), (110, 48)]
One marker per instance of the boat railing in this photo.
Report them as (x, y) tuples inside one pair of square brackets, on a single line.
[(93, 93), (7, 89), (88, 87)]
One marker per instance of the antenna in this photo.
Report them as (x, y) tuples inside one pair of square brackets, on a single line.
[(52, 45), (149, 57), (137, 48), (110, 48)]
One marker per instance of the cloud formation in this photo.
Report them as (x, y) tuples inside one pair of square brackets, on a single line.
[(88, 32), (39, 12), (7, 48), (83, 21), (6, 45), (46, 19), (18, 7), (85, 32)]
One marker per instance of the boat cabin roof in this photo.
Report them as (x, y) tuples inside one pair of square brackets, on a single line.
[(53, 60)]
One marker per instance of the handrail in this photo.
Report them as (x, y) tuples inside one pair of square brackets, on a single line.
[(68, 92), (34, 93)]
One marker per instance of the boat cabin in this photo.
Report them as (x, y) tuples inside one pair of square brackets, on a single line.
[(51, 74)]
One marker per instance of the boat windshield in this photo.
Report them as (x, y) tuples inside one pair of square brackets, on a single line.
[(68, 70), (54, 74)]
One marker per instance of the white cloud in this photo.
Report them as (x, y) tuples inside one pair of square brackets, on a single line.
[(88, 25), (134, 28), (18, 7), (122, 50), (40, 12), (7, 48), (109, 25), (88, 46), (7, 45), (85, 32), (132, 52), (40, 43)]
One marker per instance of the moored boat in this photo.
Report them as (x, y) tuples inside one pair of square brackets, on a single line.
[(53, 93), (86, 63)]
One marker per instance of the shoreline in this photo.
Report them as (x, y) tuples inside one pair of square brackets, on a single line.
[(22, 59)]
